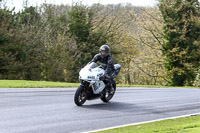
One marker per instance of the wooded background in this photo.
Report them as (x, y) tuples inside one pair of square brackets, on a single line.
[(157, 45)]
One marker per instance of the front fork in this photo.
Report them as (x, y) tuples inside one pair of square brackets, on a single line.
[(86, 86)]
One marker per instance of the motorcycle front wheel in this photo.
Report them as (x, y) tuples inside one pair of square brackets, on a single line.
[(80, 96)]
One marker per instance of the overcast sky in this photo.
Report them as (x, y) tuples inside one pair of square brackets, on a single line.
[(18, 3)]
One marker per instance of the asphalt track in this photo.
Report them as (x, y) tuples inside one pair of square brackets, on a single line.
[(52, 110)]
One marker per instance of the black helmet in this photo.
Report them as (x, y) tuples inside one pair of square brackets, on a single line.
[(104, 50)]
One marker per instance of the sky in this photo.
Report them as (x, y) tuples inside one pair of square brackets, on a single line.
[(18, 4)]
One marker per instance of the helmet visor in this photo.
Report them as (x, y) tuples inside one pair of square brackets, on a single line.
[(103, 52)]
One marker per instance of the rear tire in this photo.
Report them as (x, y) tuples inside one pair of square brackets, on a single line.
[(80, 96), (107, 96)]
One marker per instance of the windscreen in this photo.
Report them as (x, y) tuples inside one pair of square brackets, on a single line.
[(93, 65)]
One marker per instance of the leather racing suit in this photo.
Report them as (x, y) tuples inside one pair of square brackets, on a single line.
[(106, 64)]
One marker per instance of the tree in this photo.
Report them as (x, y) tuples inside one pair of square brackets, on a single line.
[(180, 40), (127, 52), (197, 79), (12, 53), (145, 28), (88, 37), (28, 16)]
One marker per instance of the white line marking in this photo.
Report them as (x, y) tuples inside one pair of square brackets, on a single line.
[(194, 114)]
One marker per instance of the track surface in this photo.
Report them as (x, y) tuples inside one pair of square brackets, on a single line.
[(52, 110)]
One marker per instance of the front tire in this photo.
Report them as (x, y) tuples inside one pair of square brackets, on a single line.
[(107, 96), (80, 96)]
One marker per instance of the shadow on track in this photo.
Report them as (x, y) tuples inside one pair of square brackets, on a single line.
[(124, 107), (112, 106)]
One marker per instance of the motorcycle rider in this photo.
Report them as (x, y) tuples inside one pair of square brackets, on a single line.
[(106, 61)]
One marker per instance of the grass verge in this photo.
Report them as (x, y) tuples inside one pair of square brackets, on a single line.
[(180, 125), (34, 84), (47, 84), (154, 86)]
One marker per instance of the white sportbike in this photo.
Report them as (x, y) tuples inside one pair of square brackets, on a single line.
[(91, 87)]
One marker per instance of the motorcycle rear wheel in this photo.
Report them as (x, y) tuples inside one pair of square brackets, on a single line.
[(107, 96), (80, 96)]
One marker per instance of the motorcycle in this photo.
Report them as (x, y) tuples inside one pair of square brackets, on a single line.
[(91, 87)]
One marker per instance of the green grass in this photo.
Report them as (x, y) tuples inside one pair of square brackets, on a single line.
[(43, 84), (157, 86), (34, 84), (127, 85), (179, 125)]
